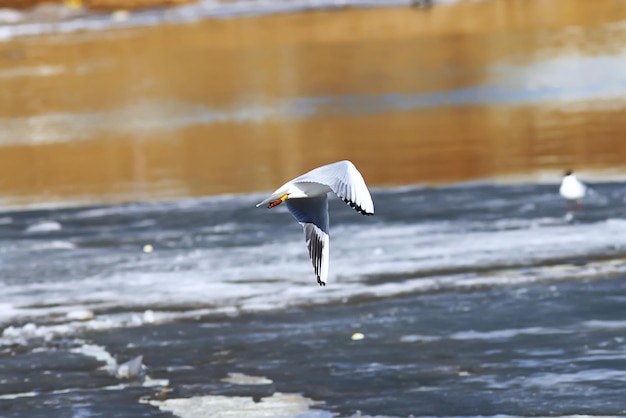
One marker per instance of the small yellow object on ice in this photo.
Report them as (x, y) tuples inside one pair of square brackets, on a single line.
[(357, 336), (147, 248)]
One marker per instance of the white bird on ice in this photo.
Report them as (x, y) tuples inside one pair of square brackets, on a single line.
[(572, 188), (306, 198)]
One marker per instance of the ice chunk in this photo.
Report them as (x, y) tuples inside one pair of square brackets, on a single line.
[(243, 379), (44, 226), (131, 369)]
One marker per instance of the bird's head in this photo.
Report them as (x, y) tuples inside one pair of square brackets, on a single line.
[(278, 201), (281, 194)]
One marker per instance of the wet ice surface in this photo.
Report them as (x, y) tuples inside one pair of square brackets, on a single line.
[(472, 300)]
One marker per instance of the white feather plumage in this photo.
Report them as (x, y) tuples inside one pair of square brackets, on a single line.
[(306, 197), (572, 188)]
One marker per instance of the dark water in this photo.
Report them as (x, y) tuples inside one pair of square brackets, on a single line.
[(471, 300)]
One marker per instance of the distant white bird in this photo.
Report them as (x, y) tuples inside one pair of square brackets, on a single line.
[(572, 189), (306, 198)]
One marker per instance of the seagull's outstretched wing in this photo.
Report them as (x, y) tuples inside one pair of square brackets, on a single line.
[(345, 181), (312, 213)]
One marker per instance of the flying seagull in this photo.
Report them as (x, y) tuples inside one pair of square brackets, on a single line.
[(572, 189), (306, 198)]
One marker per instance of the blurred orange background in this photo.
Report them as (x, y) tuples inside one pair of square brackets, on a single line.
[(505, 89)]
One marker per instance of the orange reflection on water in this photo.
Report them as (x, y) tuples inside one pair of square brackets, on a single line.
[(241, 105)]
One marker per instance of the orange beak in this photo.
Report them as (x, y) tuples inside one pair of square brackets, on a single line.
[(279, 201)]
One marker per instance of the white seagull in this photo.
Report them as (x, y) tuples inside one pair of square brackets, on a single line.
[(572, 188), (306, 198)]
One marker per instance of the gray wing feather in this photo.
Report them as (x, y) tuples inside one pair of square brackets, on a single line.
[(318, 243), (312, 213), (313, 210)]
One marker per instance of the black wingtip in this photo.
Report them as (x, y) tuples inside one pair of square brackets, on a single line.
[(357, 208), (321, 283)]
